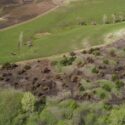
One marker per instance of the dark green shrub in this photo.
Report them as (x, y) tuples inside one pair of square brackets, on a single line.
[(117, 116), (102, 95), (67, 108), (9, 66), (69, 103), (67, 113), (106, 87), (1, 78), (114, 77), (6, 65), (20, 119), (106, 61), (67, 60), (107, 106), (81, 88), (48, 117), (95, 70), (27, 67), (112, 53), (78, 117), (87, 80), (33, 119), (119, 84), (10, 105), (97, 53)]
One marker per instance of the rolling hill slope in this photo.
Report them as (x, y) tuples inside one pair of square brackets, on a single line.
[(71, 27)]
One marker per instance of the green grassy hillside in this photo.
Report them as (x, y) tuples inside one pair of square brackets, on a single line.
[(66, 32)]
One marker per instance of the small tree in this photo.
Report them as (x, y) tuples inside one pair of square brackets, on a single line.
[(105, 19), (121, 17), (114, 19), (117, 116), (20, 42), (28, 102)]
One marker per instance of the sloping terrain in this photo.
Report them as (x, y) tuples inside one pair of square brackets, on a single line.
[(83, 88), (81, 74), (13, 13), (76, 75), (77, 25)]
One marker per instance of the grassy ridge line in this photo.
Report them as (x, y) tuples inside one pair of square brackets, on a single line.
[(66, 34), (43, 14), (67, 53), (61, 40)]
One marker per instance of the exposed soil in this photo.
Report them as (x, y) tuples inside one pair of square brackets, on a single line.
[(42, 78), (16, 13)]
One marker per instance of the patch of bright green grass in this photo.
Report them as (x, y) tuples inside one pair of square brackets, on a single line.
[(66, 33), (9, 105)]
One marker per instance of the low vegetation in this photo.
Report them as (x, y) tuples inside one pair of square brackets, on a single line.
[(84, 87), (88, 89), (67, 112), (75, 26)]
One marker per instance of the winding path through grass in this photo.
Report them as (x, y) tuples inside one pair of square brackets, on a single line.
[(66, 34), (30, 20)]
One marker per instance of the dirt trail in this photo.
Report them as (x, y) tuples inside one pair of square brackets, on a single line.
[(15, 15), (43, 79), (63, 2), (67, 53), (22, 14), (12, 26)]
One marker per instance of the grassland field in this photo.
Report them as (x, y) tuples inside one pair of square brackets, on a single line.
[(85, 88), (65, 33)]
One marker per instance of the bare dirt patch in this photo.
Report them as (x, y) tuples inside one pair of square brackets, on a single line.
[(18, 13), (63, 2), (78, 76), (114, 36), (39, 35)]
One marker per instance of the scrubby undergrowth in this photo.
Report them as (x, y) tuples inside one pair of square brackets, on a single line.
[(83, 88)]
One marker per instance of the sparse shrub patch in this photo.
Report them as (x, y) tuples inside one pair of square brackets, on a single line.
[(95, 70), (114, 77), (112, 52), (107, 106), (102, 95), (81, 88), (106, 87), (48, 118), (67, 60), (119, 84), (28, 102), (106, 61), (27, 67)]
